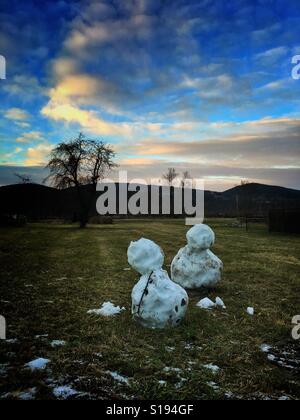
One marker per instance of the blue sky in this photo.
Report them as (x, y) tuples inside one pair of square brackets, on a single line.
[(202, 85)]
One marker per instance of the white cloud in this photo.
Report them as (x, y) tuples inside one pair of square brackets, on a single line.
[(272, 56), (38, 155), (6, 157), (30, 136), (22, 124), (88, 120), (26, 86), (267, 143), (16, 114)]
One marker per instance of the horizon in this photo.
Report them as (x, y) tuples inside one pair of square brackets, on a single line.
[(42, 184), (202, 86)]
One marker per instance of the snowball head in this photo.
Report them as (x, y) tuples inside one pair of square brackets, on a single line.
[(200, 237), (145, 256)]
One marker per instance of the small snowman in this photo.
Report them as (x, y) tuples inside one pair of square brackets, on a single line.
[(195, 265), (157, 302)]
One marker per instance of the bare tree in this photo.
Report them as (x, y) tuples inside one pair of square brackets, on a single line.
[(77, 163), (244, 203), (170, 175), (185, 176), (23, 178)]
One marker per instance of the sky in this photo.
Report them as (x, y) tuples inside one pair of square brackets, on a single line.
[(204, 86)]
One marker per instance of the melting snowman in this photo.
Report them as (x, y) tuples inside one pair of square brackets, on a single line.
[(195, 265), (157, 301)]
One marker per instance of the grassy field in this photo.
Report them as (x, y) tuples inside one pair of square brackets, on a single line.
[(52, 275)]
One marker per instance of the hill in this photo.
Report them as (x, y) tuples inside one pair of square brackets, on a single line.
[(43, 202), (264, 192)]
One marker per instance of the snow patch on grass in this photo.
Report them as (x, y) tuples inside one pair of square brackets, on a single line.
[(117, 377), (38, 364), (180, 383), (219, 302), (213, 385), (12, 341), (189, 346), (265, 348), (107, 309), (215, 369), (38, 337), (64, 392), (4, 369), (271, 357), (24, 395), (171, 369), (58, 343), (250, 311), (162, 383), (27, 395), (206, 303)]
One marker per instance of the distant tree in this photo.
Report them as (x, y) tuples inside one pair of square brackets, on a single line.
[(185, 176), (170, 176), (243, 183), (244, 203), (77, 163), (23, 178)]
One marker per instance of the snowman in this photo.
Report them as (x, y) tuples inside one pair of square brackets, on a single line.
[(195, 265), (157, 302)]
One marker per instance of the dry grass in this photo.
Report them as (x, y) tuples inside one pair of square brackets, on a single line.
[(52, 275)]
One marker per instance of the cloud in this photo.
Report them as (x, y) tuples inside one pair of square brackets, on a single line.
[(221, 89), (136, 161), (121, 61), (26, 86), (130, 53), (217, 177), (261, 36), (38, 155), (16, 114), (64, 66), (131, 26), (264, 143), (28, 36), (272, 56), (88, 120), (78, 87), (71, 98), (83, 90), (8, 157), (73, 94), (22, 124), (30, 136)]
